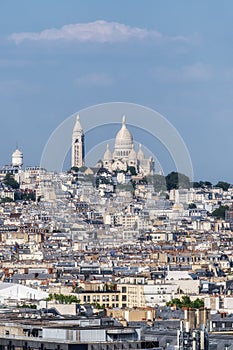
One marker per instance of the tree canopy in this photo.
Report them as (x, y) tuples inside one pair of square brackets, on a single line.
[(63, 299), (202, 184), (25, 195), (219, 213), (10, 181), (132, 170), (185, 301), (6, 200), (158, 181), (222, 184), (192, 206), (173, 180), (176, 180)]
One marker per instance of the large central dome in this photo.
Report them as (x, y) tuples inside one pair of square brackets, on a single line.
[(123, 142)]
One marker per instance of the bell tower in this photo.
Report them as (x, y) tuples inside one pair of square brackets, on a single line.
[(78, 145)]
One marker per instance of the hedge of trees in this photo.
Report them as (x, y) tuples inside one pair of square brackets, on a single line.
[(185, 301), (63, 299)]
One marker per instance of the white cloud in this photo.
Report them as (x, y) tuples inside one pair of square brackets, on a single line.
[(98, 31), (94, 79)]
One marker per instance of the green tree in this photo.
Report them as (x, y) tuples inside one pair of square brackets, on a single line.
[(158, 181), (197, 303), (132, 170), (29, 196), (10, 181), (192, 206), (202, 184), (6, 200), (224, 185), (176, 180), (17, 196), (175, 301), (219, 213), (74, 168), (25, 196), (185, 301), (50, 297), (63, 299)]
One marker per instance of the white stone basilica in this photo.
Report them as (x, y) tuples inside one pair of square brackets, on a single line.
[(123, 156)]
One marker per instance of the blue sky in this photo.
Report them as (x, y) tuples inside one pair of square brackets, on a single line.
[(173, 56)]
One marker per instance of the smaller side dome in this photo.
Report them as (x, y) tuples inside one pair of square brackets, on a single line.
[(107, 154), (133, 154), (140, 153)]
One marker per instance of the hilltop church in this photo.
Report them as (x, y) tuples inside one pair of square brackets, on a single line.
[(122, 157)]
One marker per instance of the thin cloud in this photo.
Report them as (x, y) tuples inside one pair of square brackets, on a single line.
[(197, 71), (14, 63), (94, 79), (194, 72), (18, 87), (98, 31)]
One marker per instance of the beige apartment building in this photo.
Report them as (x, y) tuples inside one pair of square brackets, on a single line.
[(106, 299), (122, 295)]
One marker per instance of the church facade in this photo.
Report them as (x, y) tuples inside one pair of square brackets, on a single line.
[(123, 157)]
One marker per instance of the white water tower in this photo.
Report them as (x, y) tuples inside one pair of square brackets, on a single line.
[(17, 158)]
